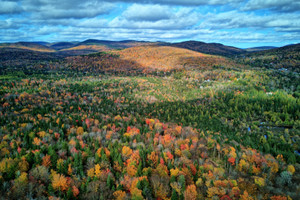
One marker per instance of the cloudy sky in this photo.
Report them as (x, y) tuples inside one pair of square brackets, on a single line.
[(233, 22)]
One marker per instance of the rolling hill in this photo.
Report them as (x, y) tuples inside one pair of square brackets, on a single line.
[(208, 48), (76, 48), (165, 56), (104, 45), (29, 46), (92, 46), (168, 58), (23, 60), (140, 59), (62, 45), (15, 54), (284, 57)]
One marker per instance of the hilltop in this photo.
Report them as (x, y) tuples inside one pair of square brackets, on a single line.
[(62, 45), (209, 48), (169, 58)]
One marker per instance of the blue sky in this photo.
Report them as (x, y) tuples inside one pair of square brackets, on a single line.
[(233, 22)]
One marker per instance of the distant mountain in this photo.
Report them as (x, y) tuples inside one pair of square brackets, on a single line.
[(93, 45), (62, 45), (41, 43), (106, 42), (252, 49), (99, 42), (113, 44), (208, 48), (29, 46)]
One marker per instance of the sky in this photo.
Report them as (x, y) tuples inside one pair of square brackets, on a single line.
[(237, 23)]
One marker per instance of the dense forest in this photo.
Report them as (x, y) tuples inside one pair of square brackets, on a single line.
[(109, 125)]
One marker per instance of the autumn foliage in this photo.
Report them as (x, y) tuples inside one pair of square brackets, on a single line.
[(96, 137)]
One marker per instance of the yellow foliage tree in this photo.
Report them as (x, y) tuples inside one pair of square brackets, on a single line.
[(126, 152), (36, 141), (136, 193), (153, 158), (22, 178), (259, 181), (119, 195), (60, 182), (174, 172), (97, 170), (70, 169), (199, 182), (79, 131), (91, 172), (23, 165), (291, 169), (131, 170), (99, 152), (6, 164), (190, 193)]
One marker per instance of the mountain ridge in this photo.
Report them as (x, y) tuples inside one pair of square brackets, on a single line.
[(94, 45), (209, 48)]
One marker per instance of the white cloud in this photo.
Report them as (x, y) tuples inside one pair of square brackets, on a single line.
[(277, 5), (92, 23), (289, 29), (181, 2), (9, 7), (175, 19), (56, 9), (166, 20), (11, 23), (139, 12), (235, 19)]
